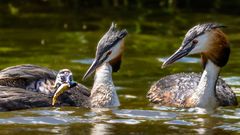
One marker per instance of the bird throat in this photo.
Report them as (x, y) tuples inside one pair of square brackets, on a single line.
[(205, 93), (116, 63), (103, 93)]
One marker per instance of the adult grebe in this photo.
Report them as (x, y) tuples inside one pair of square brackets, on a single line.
[(107, 60), (29, 86), (189, 89)]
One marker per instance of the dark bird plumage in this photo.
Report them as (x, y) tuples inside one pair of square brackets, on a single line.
[(29, 86), (173, 91)]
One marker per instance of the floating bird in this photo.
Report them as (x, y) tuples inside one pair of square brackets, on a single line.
[(108, 59), (191, 89), (29, 86)]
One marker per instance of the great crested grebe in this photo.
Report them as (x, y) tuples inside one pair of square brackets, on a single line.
[(190, 89), (29, 86), (108, 59)]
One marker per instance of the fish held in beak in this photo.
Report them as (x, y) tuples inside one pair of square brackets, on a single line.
[(59, 91)]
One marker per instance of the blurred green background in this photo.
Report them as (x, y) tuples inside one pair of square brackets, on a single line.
[(81, 14)]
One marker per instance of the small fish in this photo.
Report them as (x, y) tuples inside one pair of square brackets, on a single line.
[(60, 90)]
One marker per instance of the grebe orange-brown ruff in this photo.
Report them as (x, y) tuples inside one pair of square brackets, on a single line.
[(107, 60), (190, 89)]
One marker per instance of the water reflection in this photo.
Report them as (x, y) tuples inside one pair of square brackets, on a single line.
[(230, 127), (100, 114), (145, 114), (201, 131), (128, 96), (232, 80), (180, 122), (143, 119), (183, 60), (87, 61), (195, 110), (101, 129), (104, 120), (125, 121), (54, 120), (54, 112)]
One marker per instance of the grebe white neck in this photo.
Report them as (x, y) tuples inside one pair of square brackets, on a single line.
[(205, 94), (103, 93)]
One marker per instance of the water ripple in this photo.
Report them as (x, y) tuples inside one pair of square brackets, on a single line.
[(125, 121), (183, 60), (45, 120), (232, 80), (225, 116), (52, 112), (229, 127), (145, 114), (129, 96), (195, 110), (87, 61), (179, 122)]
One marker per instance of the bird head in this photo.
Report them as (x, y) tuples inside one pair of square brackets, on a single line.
[(109, 49), (63, 82), (205, 39)]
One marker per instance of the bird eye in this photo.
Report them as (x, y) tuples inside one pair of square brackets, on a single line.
[(66, 73), (194, 41), (108, 53), (63, 79)]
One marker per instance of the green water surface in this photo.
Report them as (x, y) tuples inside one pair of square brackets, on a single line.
[(68, 41)]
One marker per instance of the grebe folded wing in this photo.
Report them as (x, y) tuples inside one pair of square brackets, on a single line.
[(173, 90)]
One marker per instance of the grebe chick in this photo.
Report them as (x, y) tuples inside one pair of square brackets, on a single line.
[(29, 86), (190, 89), (108, 59)]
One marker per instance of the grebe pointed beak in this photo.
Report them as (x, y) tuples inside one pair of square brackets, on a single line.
[(184, 50), (92, 68)]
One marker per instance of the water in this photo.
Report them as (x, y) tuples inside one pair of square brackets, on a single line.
[(146, 48)]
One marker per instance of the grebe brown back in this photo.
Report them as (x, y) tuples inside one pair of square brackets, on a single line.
[(195, 90)]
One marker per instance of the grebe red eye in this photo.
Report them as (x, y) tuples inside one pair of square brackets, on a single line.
[(194, 41), (108, 53)]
